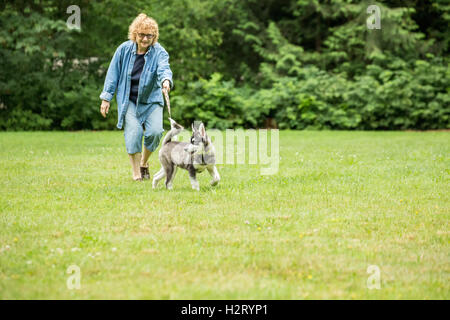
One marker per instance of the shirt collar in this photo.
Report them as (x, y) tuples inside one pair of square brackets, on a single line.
[(135, 48)]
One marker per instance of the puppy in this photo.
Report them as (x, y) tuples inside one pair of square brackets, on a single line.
[(196, 156)]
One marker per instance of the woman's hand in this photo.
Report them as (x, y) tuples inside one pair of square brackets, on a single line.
[(166, 85), (104, 108)]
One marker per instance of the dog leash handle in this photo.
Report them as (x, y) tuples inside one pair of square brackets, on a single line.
[(166, 95)]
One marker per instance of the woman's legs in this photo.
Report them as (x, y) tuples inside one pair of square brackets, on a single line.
[(135, 160), (133, 133), (152, 134), (145, 155)]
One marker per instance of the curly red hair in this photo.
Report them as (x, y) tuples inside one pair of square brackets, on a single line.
[(143, 23)]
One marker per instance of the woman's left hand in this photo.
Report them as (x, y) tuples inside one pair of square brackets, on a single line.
[(166, 85)]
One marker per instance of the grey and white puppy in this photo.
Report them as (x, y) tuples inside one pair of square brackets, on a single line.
[(196, 156)]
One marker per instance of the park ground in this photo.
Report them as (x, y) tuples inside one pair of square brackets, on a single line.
[(339, 203)]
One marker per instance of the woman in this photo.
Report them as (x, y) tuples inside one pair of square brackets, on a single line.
[(138, 70)]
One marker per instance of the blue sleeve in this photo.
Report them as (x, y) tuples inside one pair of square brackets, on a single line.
[(164, 72), (112, 76)]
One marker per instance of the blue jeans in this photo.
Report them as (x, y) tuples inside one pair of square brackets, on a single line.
[(152, 129)]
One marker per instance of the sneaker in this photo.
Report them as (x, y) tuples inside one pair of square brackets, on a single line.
[(145, 174)]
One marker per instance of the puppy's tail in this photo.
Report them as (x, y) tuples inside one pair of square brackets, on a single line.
[(175, 129)]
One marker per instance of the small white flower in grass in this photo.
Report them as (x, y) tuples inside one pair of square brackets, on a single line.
[(114, 249), (29, 262), (247, 222), (7, 247), (75, 249), (59, 250)]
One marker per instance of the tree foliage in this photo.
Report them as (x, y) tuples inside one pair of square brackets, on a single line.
[(305, 63)]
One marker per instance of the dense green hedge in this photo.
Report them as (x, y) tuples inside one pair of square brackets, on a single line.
[(413, 97)]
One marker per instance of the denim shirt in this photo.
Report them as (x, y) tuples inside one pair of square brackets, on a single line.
[(118, 79)]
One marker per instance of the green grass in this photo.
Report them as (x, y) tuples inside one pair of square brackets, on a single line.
[(340, 202)]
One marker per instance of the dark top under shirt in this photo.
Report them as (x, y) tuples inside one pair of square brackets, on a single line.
[(135, 76)]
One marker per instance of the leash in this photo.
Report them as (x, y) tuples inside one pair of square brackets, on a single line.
[(166, 95)]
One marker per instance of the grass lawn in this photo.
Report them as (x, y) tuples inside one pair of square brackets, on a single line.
[(340, 202)]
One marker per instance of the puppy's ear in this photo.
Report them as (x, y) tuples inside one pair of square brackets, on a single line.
[(207, 141), (202, 130)]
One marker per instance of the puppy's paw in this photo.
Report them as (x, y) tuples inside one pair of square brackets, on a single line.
[(214, 183)]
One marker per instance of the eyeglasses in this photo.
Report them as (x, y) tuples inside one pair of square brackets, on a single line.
[(143, 35)]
